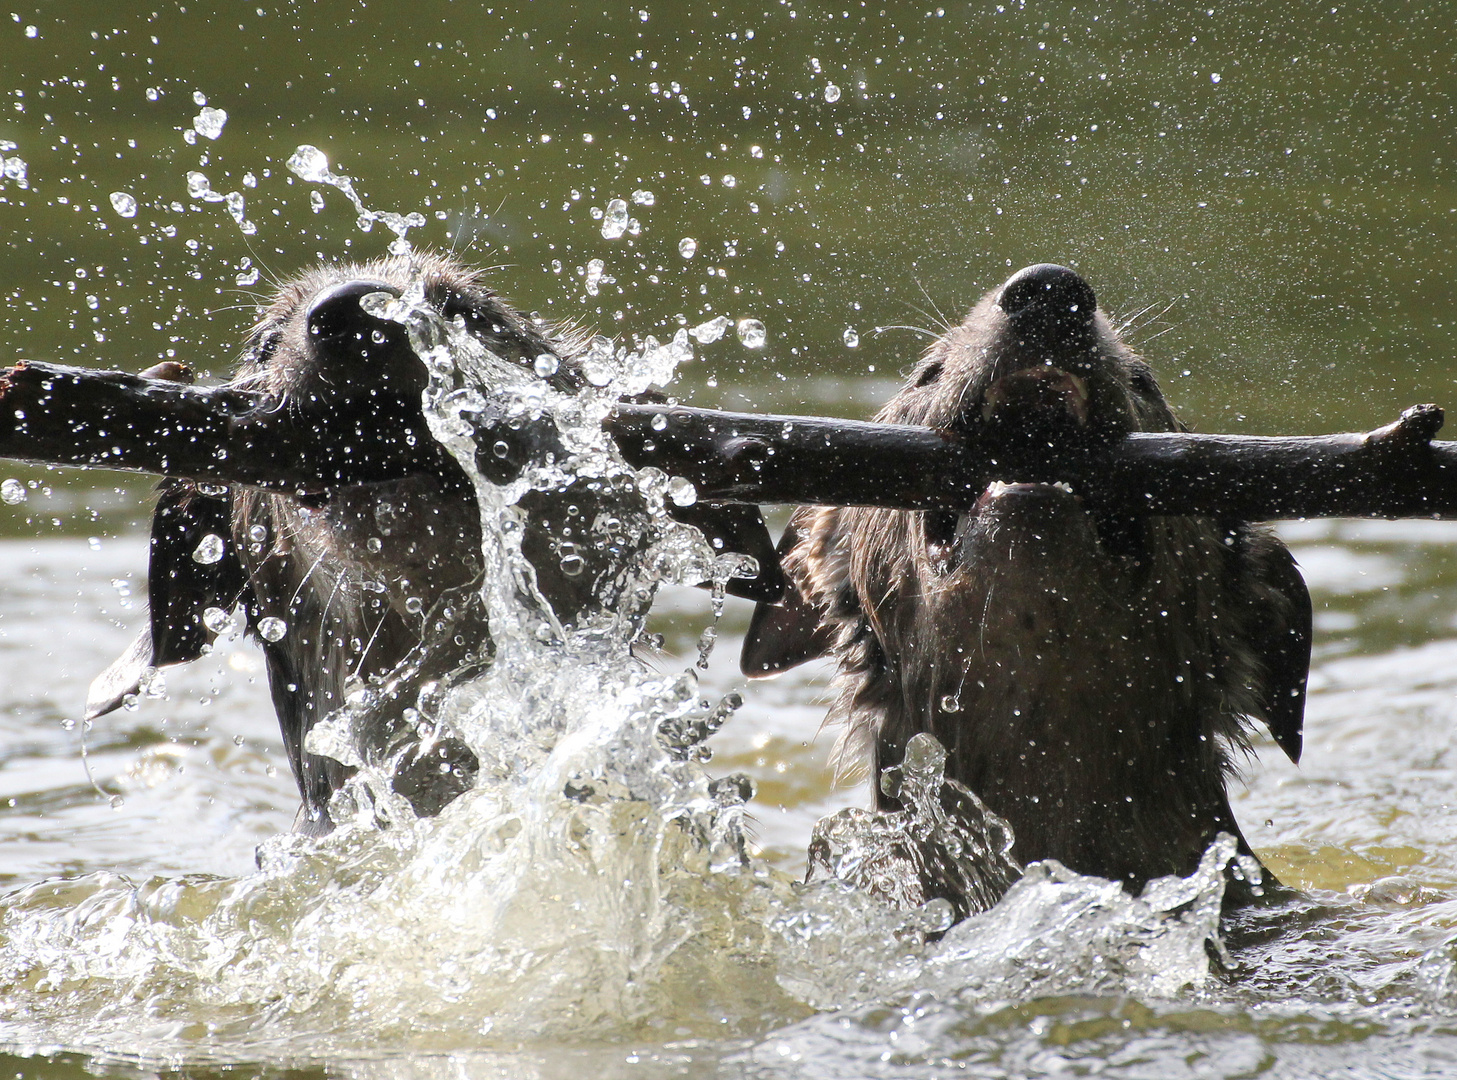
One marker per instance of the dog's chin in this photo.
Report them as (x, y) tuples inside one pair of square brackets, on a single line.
[(1017, 522)]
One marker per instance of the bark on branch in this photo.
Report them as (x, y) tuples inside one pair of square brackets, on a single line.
[(1394, 471), (74, 416), (56, 415)]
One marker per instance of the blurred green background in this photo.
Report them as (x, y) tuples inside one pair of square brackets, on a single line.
[(1264, 189)]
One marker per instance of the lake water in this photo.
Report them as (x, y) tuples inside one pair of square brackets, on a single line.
[(1266, 193)]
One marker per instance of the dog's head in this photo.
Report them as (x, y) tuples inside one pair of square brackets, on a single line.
[(369, 574)]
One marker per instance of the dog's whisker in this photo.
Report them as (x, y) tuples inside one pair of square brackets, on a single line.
[(906, 326)]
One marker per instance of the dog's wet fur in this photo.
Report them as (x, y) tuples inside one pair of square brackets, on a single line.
[(1091, 677), (376, 583)]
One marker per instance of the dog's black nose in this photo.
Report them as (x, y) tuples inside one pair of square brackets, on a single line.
[(1048, 295), (335, 311)]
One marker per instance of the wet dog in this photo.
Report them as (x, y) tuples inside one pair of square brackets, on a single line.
[(1091, 677), (366, 590)]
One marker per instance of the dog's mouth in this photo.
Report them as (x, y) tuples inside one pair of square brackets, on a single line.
[(1045, 508), (1033, 403), (1034, 400)]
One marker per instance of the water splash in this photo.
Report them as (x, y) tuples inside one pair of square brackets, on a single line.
[(312, 164), (945, 852), (199, 187)]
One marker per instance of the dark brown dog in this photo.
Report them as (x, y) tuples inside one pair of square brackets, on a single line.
[(1090, 676), (368, 589)]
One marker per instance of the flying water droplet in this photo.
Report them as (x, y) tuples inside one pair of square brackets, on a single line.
[(209, 551), (12, 492), (271, 628), (706, 642), (309, 163), (209, 122), (124, 204), (752, 333), (572, 562), (219, 621), (594, 276), (708, 332), (614, 221)]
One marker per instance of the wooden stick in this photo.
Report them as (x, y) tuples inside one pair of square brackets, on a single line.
[(74, 416), (1395, 471), (58, 415)]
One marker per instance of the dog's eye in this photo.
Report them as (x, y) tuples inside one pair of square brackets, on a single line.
[(263, 352), (930, 375), (457, 305), (1143, 381)]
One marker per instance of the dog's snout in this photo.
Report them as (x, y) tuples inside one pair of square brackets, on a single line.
[(335, 312), (1046, 297)]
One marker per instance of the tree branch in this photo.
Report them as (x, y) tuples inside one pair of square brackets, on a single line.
[(1395, 471), (56, 415), (74, 416)]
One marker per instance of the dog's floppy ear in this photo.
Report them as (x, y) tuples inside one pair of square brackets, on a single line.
[(786, 633), (1282, 635), (730, 527), (180, 587)]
